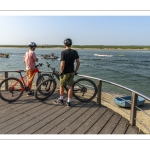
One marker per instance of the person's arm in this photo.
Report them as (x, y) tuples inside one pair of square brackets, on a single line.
[(77, 65), (34, 57), (62, 62), (62, 66)]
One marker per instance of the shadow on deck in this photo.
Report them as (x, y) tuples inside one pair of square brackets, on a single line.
[(30, 116)]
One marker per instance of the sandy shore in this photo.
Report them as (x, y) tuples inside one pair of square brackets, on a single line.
[(58, 48), (119, 49), (2, 76), (108, 101)]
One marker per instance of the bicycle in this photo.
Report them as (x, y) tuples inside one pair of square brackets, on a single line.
[(84, 89), (12, 88)]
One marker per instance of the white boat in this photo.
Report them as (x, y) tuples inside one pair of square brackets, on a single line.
[(102, 55)]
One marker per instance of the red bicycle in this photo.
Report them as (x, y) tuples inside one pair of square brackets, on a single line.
[(12, 88)]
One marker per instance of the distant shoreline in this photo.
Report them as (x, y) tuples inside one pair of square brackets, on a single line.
[(85, 47)]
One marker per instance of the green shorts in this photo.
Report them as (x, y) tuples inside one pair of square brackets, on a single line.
[(67, 79)]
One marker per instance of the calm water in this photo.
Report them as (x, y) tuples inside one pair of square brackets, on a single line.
[(131, 70)]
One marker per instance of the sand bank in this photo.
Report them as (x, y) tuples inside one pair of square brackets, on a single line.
[(108, 101)]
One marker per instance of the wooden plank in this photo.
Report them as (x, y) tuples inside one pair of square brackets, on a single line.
[(34, 119), (84, 123), (52, 124), (10, 119), (11, 108), (20, 113), (2, 103), (10, 115), (37, 116), (22, 118), (79, 121), (71, 119), (43, 127), (21, 104), (111, 124), (99, 125), (132, 130), (121, 127), (30, 116)]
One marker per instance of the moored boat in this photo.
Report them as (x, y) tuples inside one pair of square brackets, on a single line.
[(126, 101), (4, 55), (103, 55), (122, 55), (51, 56)]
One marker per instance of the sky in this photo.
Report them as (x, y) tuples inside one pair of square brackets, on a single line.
[(116, 22), (83, 30)]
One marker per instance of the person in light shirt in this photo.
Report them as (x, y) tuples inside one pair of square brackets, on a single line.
[(30, 60)]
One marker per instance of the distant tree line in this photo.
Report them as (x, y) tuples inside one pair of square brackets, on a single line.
[(86, 46)]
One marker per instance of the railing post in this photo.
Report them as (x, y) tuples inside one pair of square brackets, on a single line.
[(133, 109), (99, 92), (6, 83), (39, 74)]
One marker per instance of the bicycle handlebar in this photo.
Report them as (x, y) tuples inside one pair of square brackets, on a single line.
[(56, 72), (40, 64), (53, 69)]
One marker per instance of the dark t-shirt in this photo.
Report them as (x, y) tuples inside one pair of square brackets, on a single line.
[(69, 56)]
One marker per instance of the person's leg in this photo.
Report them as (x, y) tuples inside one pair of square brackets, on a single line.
[(30, 74), (70, 92), (70, 83), (63, 79), (61, 92)]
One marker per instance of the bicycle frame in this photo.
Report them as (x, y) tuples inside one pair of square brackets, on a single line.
[(26, 86), (55, 73), (80, 87)]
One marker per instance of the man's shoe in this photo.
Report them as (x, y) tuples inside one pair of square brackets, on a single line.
[(31, 93), (59, 101), (68, 104)]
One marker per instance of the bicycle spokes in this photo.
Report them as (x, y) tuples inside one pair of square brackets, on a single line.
[(10, 89), (45, 89), (84, 89)]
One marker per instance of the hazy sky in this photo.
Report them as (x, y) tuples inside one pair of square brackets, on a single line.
[(83, 30)]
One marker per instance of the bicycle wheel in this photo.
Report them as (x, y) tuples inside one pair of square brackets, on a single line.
[(42, 78), (84, 89), (45, 89), (11, 89)]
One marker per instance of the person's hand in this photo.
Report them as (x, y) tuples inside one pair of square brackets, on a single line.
[(36, 59), (76, 73), (60, 73)]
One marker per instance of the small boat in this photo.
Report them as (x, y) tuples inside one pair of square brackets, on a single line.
[(103, 55), (51, 56), (122, 55), (4, 55), (126, 101)]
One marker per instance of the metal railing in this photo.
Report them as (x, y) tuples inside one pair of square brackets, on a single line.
[(134, 99), (133, 112)]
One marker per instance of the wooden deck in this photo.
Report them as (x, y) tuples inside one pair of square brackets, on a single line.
[(30, 116)]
